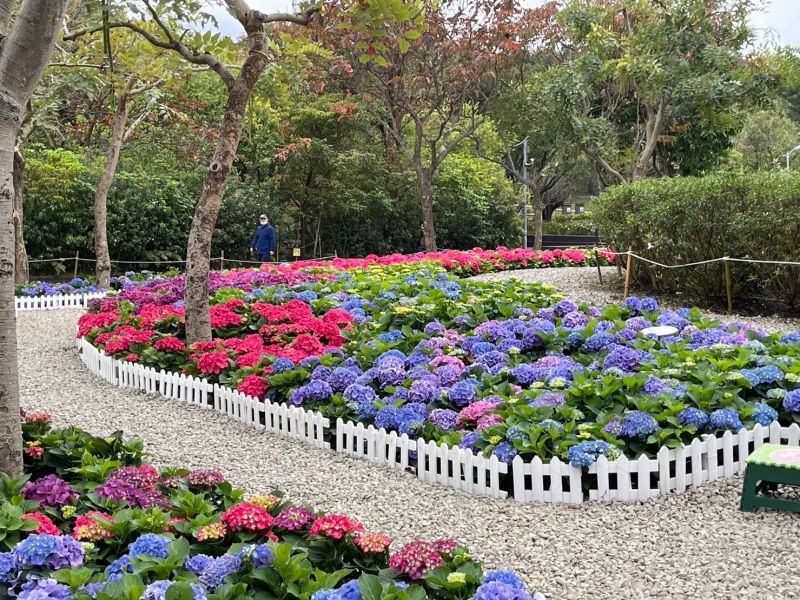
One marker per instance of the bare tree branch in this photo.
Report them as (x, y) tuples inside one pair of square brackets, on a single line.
[(170, 44), (602, 163), (147, 109)]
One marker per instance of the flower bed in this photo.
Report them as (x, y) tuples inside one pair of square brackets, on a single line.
[(92, 521)]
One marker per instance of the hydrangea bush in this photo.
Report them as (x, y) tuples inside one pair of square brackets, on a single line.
[(202, 539), (506, 369)]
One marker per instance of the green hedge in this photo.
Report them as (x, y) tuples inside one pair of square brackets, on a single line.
[(561, 224), (689, 219)]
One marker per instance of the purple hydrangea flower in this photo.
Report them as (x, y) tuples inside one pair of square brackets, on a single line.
[(444, 418), (469, 440), (223, 566), (563, 308), (506, 577), (341, 378), (552, 399), (50, 491), (598, 341), (45, 550), (158, 591), (575, 320), (791, 401), (623, 358), (39, 588), (359, 393)]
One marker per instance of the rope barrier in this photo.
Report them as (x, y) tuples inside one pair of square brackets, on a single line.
[(708, 262)]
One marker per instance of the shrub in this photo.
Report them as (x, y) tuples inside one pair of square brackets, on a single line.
[(691, 219), (580, 224)]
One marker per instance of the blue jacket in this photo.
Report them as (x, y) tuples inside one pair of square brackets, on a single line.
[(264, 239)]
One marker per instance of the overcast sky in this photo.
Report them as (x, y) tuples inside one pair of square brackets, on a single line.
[(779, 23)]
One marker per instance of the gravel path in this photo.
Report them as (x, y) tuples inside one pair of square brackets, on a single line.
[(694, 545), (581, 283)]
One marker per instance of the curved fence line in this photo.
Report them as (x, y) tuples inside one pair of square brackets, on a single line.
[(672, 470), (707, 262), (56, 301)]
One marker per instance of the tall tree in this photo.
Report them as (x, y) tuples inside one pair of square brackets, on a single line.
[(25, 48), (432, 84), (633, 68), (239, 86)]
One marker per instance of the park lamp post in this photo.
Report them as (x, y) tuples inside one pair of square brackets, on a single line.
[(524, 144)]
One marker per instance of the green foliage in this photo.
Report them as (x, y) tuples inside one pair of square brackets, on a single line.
[(689, 219), (765, 139), (574, 224)]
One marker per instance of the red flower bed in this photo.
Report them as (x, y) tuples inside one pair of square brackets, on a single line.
[(289, 330)]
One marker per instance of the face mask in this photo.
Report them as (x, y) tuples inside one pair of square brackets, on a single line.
[(263, 222)]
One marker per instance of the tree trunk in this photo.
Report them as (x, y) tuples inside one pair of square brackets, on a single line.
[(23, 57), (198, 253), (103, 264), (538, 217), (21, 273), (426, 199)]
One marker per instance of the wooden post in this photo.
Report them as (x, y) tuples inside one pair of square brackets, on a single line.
[(221, 259), (77, 256), (728, 290), (597, 262), (628, 269)]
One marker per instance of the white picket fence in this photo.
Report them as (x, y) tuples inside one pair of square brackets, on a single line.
[(672, 470), (55, 302)]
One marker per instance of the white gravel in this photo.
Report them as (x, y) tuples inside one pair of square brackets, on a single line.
[(694, 545), (582, 284)]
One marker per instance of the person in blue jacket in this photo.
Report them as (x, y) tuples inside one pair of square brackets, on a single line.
[(264, 242)]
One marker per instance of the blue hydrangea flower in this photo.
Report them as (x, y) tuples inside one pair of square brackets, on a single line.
[(359, 393), (158, 591), (121, 565), (505, 452), (321, 373), (317, 390), (722, 418), (506, 577), (391, 376), (693, 416), (342, 377), (434, 328), (197, 564), (262, 555), (324, 595), (586, 454), (45, 550), (386, 418), (462, 393), (149, 544), (768, 374), (214, 575), (791, 338), (649, 304), (515, 433), (598, 341), (366, 410), (421, 391), (495, 590), (550, 424), (8, 567), (791, 401), (282, 365), (469, 440), (575, 339), (633, 304), (764, 414), (390, 336), (638, 425), (349, 591)]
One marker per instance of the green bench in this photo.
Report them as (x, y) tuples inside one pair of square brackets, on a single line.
[(767, 467)]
